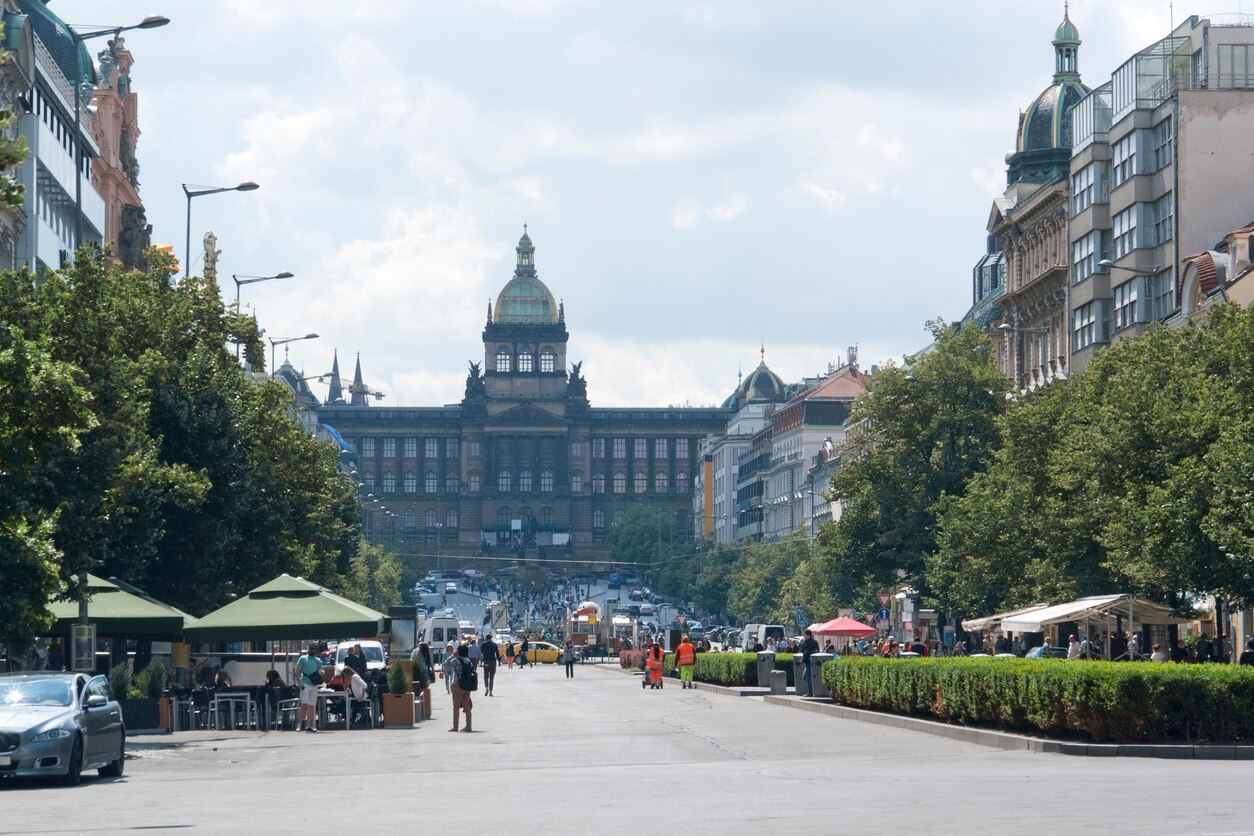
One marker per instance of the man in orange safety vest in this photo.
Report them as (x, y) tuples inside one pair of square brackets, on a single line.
[(685, 661)]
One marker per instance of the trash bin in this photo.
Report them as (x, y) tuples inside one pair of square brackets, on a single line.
[(798, 674), (766, 664), (816, 673)]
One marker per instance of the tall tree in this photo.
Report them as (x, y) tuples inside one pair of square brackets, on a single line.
[(917, 436)]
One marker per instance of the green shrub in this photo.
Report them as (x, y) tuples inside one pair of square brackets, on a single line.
[(1101, 701), (631, 659), (732, 669), (120, 681), (398, 680), (155, 676), (783, 662)]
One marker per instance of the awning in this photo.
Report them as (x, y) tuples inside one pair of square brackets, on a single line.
[(1096, 606), (288, 608), (843, 626), (120, 611), (992, 622)]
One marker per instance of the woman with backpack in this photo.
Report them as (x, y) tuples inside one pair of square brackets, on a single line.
[(462, 672)]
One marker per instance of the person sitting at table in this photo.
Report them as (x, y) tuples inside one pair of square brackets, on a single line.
[(356, 660), (356, 688), (222, 681), (273, 679)]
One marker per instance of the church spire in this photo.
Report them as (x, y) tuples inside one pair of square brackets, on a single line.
[(359, 386), (336, 391)]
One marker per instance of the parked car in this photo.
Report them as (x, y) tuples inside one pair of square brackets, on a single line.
[(1054, 653), (58, 724), (473, 573), (370, 648)]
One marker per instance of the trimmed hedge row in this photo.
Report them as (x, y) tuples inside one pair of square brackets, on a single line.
[(1124, 702), (720, 668)]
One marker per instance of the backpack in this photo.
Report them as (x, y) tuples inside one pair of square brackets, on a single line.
[(467, 676)]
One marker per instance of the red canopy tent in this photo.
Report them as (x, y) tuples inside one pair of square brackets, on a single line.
[(844, 627)]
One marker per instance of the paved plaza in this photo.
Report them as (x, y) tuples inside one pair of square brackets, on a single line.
[(597, 754)]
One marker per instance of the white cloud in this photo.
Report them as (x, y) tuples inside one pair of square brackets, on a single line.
[(689, 212), (990, 176), (830, 198)]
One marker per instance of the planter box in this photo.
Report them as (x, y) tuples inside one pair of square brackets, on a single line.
[(398, 711), (141, 714)]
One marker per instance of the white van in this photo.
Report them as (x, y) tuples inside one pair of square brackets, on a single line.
[(439, 630)]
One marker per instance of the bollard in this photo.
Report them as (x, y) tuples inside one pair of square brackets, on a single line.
[(798, 675), (766, 664), (816, 673), (779, 682)]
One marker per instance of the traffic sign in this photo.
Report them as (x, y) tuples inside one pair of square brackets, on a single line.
[(884, 598), (883, 614)]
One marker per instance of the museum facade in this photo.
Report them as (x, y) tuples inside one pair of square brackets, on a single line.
[(524, 460)]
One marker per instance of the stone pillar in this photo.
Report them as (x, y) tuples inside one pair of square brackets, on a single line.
[(766, 664), (779, 682)]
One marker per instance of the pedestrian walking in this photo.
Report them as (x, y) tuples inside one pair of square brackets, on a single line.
[(446, 667), (685, 661), (525, 648), (568, 657), (490, 654), (1073, 648), (509, 654), (1247, 655), (462, 669), (809, 647), (309, 667)]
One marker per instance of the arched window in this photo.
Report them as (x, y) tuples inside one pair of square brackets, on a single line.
[(430, 482), (502, 516), (450, 519), (620, 483), (546, 482), (503, 481), (598, 483), (502, 359), (430, 518), (450, 483), (548, 360), (598, 519), (389, 483), (681, 483), (369, 480), (409, 519), (411, 483), (618, 516), (546, 516), (660, 483), (524, 481), (642, 483), (525, 360)]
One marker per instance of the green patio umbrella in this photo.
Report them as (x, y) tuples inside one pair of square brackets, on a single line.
[(121, 611), (287, 608)]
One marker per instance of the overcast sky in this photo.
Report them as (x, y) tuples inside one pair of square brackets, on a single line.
[(699, 178)]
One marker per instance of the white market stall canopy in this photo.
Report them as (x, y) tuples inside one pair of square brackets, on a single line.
[(992, 622), (1094, 607)]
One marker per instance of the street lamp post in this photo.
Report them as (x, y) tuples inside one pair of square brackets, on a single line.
[(191, 191), (243, 280), (439, 531), (77, 38), (283, 342)]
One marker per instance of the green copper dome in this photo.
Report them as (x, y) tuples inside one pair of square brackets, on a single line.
[(525, 300), (1066, 33)]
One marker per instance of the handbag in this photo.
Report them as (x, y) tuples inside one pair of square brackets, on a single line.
[(315, 678)]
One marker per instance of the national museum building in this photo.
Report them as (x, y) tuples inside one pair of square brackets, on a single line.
[(524, 459)]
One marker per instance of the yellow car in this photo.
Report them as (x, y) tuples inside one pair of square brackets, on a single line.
[(541, 651)]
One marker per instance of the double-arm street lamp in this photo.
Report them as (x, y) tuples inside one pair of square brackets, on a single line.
[(283, 341), (191, 191), (240, 281), (77, 38)]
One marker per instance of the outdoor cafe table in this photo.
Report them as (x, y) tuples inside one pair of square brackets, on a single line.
[(325, 697), (232, 702)]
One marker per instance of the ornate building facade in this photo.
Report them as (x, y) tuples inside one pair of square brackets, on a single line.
[(524, 459), (1020, 285)]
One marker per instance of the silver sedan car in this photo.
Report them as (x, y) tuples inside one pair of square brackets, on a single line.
[(58, 724)]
